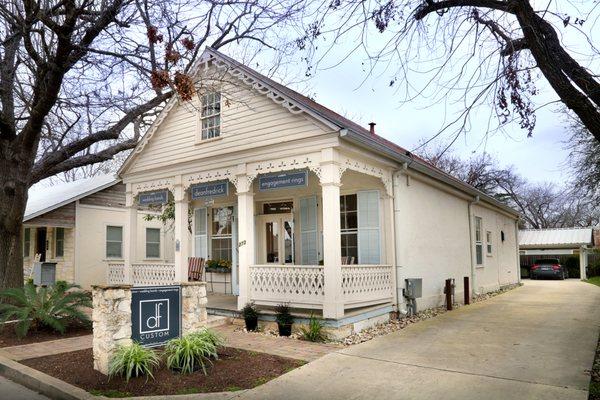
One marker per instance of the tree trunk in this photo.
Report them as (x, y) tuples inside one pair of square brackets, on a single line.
[(13, 200)]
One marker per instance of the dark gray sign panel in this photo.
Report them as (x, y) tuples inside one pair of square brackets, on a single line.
[(209, 190), (282, 181), (155, 314), (153, 198)]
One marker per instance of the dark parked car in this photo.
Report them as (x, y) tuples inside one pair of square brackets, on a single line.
[(548, 268)]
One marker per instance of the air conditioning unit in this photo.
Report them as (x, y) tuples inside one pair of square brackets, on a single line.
[(44, 273)]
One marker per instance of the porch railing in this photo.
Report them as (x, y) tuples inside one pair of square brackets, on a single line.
[(299, 285), (142, 274), (303, 286), (364, 285)]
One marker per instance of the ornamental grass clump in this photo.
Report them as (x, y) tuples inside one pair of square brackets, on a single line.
[(53, 307), (133, 361), (315, 332), (193, 351)]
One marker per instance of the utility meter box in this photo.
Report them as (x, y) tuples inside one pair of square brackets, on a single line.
[(44, 273), (414, 288)]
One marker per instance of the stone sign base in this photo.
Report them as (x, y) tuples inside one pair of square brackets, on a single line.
[(111, 317)]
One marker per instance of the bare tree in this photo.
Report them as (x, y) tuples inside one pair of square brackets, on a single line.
[(81, 79), (483, 51), (584, 160)]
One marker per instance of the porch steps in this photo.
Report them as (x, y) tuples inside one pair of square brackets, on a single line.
[(217, 320)]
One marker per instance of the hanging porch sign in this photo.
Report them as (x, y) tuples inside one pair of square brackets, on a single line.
[(153, 198), (155, 314), (282, 181), (209, 190)]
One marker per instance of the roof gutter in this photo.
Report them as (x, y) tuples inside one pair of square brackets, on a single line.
[(363, 141)]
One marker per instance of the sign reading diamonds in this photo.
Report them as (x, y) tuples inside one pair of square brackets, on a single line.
[(282, 181), (153, 198), (209, 190)]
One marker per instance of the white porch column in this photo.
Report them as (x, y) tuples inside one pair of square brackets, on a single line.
[(583, 261), (182, 242), (333, 306), (246, 247), (130, 234)]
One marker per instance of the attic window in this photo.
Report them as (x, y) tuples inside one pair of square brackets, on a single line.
[(211, 115)]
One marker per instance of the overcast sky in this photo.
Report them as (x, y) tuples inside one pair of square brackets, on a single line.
[(541, 157)]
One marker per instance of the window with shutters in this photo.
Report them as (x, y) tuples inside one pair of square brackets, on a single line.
[(114, 242), (59, 242), (152, 243), (349, 226), (309, 231)]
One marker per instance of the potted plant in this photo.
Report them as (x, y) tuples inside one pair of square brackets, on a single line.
[(220, 266), (250, 315), (284, 319)]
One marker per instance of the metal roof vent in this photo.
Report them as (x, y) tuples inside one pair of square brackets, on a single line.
[(372, 127)]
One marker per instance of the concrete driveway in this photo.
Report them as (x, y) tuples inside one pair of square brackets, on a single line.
[(534, 342)]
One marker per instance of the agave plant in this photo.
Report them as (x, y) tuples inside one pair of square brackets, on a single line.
[(45, 307), (133, 360)]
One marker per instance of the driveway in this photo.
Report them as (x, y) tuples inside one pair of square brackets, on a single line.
[(534, 342)]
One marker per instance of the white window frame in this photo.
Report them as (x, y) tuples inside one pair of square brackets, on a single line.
[(488, 241), (159, 243), (106, 241), (208, 113), (478, 240), (223, 236), (351, 231), (56, 240)]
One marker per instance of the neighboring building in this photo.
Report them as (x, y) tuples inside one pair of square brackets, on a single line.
[(79, 226), (560, 243), (310, 208)]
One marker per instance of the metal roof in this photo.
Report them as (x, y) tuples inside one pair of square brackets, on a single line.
[(44, 199), (561, 237)]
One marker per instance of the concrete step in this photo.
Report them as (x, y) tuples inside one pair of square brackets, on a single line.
[(217, 320)]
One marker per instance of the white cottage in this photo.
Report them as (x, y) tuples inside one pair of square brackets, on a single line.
[(308, 207)]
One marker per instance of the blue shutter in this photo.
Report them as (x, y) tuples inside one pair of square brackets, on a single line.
[(308, 230), (369, 247)]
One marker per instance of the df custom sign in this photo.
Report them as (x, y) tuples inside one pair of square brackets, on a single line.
[(155, 314)]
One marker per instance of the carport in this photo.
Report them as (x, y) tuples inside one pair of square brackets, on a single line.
[(556, 243)]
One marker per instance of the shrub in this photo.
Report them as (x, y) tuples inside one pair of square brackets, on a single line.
[(572, 266), (133, 360), (51, 307), (249, 311), (193, 351), (315, 332), (283, 317)]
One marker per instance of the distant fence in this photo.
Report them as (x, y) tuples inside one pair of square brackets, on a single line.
[(528, 260)]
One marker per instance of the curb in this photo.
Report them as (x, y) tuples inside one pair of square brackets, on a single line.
[(60, 390)]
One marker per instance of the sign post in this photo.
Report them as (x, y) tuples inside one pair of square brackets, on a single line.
[(155, 314)]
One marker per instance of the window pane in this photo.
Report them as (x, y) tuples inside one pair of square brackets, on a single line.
[(351, 202), (221, 224), (60, 233), (153, 235), (351, 220), (114, 233), (152, 250), (479, 254), (113, 249), (200, 222)]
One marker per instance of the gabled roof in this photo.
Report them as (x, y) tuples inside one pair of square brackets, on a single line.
[(349, 130), (45, 199), (561, 237)]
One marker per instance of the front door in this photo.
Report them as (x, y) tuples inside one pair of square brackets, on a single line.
[(276, 233), (40, 243)]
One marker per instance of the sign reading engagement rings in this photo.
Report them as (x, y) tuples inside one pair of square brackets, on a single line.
[(155, 314), (281, 181)]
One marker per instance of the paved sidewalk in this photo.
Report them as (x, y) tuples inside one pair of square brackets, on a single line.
[(47, 348), (13, 391), (535, 342), (284, 347)]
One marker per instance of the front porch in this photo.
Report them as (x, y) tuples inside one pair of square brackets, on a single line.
[(316, 234)]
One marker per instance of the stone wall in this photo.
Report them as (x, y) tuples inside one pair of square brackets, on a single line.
[(111, 318), (193, 307)]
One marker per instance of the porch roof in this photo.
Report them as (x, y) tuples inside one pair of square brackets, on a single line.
[(45, 199)]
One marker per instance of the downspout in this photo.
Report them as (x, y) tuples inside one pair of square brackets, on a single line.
[(398, 297), (518, 253), (471, 243)]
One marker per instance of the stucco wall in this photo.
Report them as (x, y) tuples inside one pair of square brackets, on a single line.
[(91, 261), (433, 240)]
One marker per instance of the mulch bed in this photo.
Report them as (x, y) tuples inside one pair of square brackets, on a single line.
[(8, 337), (235, 370)]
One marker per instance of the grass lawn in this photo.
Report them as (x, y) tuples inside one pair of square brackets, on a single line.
[(595, 280)]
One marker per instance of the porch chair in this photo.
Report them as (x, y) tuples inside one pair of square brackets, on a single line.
[(195, 268), (345, 260), (351, 262)]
